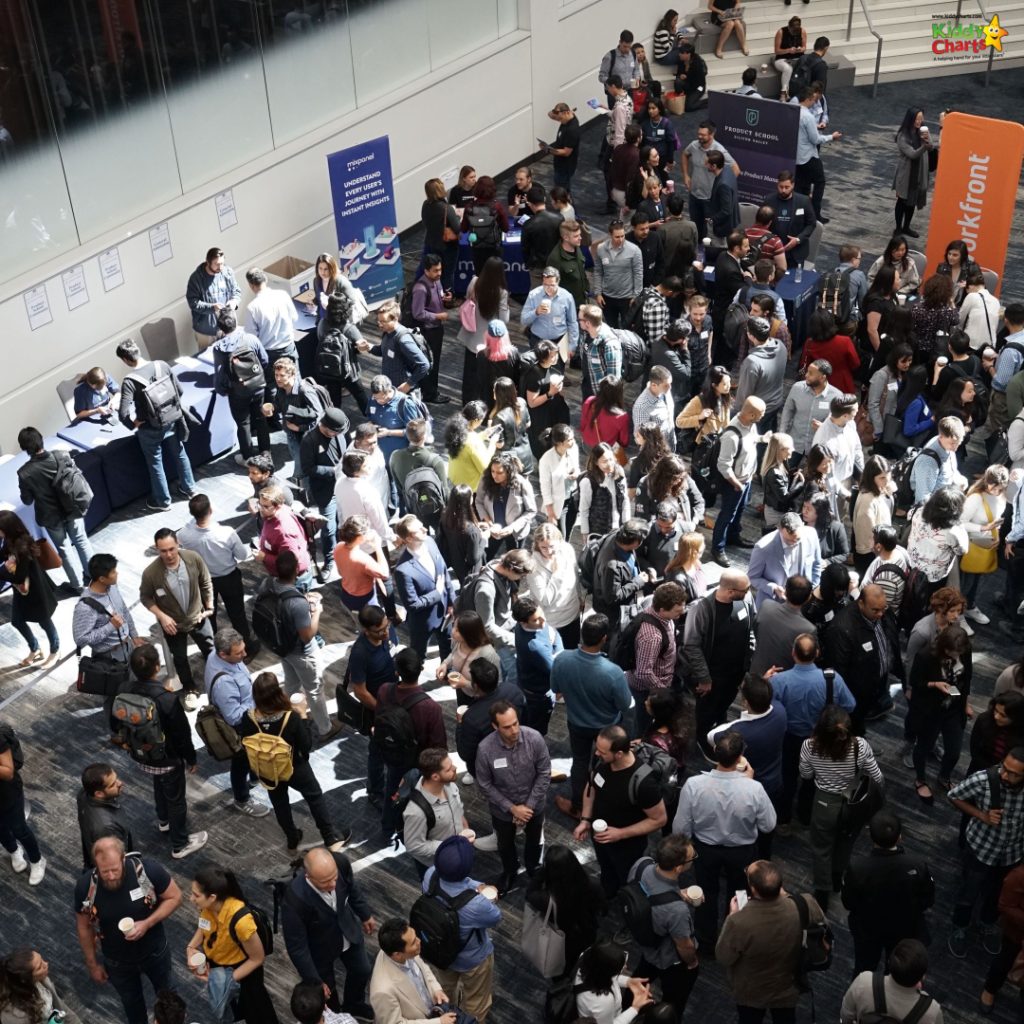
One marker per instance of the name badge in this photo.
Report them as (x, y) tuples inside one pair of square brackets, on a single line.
[(160, 592), (661, 131), (893, 385), (741, 614), (829, 616), (135, 894), (800, 211), (204, 925), (501, 762), (703, 335), (605, 260), (823, 403), (868, 646), (558, 321), (599, 781)]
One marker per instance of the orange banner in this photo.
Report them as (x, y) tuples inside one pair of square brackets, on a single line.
[(976, 189)]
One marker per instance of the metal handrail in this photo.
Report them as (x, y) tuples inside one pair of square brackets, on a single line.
[(876, 34), (991, 50)]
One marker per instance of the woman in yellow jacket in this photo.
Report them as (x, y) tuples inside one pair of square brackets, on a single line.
[(469, 452)]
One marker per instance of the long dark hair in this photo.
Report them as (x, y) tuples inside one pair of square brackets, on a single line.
[(720, 405), (875, 466), (951, 643), (654, 448), (943, 509), (610, 395), (667, 709), (456, 433), (884, 283), (833, 733), (666, 20), (813, 460), (564, 879), (506, 397), (953, 403), (822, 505), (471, 627), (17, 986), (834, 586), (894, 243), (460, 511), (268, 696), (488, 288), (219, 882), (16, 540), (510, 464), (601, 964), (661, 480), (907, 126)]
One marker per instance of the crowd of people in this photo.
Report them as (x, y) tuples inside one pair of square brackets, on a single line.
[(548, 553)]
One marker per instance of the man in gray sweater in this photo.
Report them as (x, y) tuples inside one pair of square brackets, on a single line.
[(618, 274), (762, 372), (737, 463), (807, 406)]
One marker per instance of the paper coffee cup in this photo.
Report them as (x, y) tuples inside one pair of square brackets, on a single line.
[(454, 678), (695, 895), (941, 361), (599, 825), (468, 833), (197, 961), (125, 925), (490, 892), (298, 699)]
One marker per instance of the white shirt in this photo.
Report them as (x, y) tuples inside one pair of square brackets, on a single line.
[(272, 316), (843, 445), (356, 496), (557, 592), (554, 476)]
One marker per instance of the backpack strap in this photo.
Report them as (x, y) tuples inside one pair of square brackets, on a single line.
[(413, 699), (803, 911), (878, 992), (995, 796), (232, 929), (921, 1007), (643, 772), (213, 683), (830, 683), (416, 797)]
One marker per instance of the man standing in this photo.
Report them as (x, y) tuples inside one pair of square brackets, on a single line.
[(567, 259), (887, 893), (54, 511), (513, 770), (424, 587), (540, 234), (993, 801), (717, 643), (620, 61), (761, 946), (939, 468), (655, 404), (222, 552), (737, 464), (810, 172), (654, 662), (794, 219), (401, 359), (723, 205), (655, 314), (211, 288), (550, 311), (403, 989), (625, 803), (618, 581), (414, 457), (299, 405), (698, 178), (618, 274), (679, 235), (430, 314), (537, 646), (898, 995), (600, 350), (229, 688), (271, 316), (176, 587), (565, 150), (651, 246), (99, 810), (838, 434), (807, 406), (281, 531), (434, 810), (325, 917), (475, 725), (596, 695), (320, 451), (151, 406), (671, 350), (762, 372), (729, 278), (620, 117), (120, 887), (165, 762), (724, 810), (791, 550), (242, 375), (779, 623), (1008, 363), (391, 411)]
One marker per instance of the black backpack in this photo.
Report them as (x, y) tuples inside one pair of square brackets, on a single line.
[(407, 320), (734, 326), (435, 919), (424, 495), (802, 73), (10, 737), (466, 601), (268, 623), (636, 355), (157, 402), (901, 473), (333, 359), (893, 580), (483, 222), (393, 731), (704, 463), (624, 653), (834, 295), (587, 561), (816, 943), (635, 906), (74, 495), (406, 794), (264, 930), (879, 1015), (245, 371), (634, 319)]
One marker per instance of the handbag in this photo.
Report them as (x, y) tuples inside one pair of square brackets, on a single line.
[(863, 797), (542, 942), (46, 555), (101, 676), (448, 234), (351, 710), (980, 559), (467, 316)]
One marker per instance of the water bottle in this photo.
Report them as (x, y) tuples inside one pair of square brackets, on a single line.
[(798, 274)]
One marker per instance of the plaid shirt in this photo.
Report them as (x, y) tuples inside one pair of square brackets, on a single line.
[(653, 671), (655, 314), (993, 845), (661, 409), (603, 355)]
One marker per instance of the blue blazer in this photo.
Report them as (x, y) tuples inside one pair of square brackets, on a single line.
[(766, 562), (416, 589)]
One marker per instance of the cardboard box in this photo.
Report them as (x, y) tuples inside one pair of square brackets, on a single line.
[(290, 273)]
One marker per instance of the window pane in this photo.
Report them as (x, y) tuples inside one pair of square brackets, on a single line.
[(459, 26), (307, 59), (388, 44), (508, 16)]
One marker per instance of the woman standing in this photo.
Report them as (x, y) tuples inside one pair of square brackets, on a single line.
[(543, 384), (275, 715), (884, 391), (833, 758), (918, 419), (782, 485), (897, 256), (979, 312), (937, 538), (604, 503), (462, 192), (359, 571), (506, 505), (709, 412), (959, 401), (325, 282), (669, 481), (32, 598), (555, 583), (660, 132), (498, 358), (653, 448), (227, 935), (816, 511), (827, 598), (15, 835), (940, 683), (668, 726), (462, 542), (604, 417), (983, 511), (825, 342), (559, 469), (879, 303), (485, 221), (469, 452), (27, 992), (511, 414), (910, 182), (486, 300), (441, 230), (469, 642), (873, 508), (818, 475), (685, 567), (996, 731), (934, 318)]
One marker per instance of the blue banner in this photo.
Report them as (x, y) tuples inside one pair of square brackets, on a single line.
[(363, 194), (760, 136)]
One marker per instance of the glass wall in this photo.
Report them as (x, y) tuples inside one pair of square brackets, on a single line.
[(109, 108)]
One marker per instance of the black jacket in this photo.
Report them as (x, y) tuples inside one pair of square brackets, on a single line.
[(318, 457), (851, 649), (794, 218), (614, 585), (35, 481), (540, 235), (651, 249), (728, 281), (887, 894), (675, 359), (98, 819), (723, 206), (313, 933), (464, 552)]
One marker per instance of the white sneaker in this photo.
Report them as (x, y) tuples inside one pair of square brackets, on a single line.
[(196, 841), (252, 807), (978, 616), (36, 871), (488, 843), (467, 779), (967, 627), (18, 859)]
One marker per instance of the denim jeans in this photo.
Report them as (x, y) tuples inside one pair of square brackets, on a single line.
[(14, 829), (240, 776), (127, 980), (509, 667), (72, 530), (20, 623), (154, 442), (329, 531), (727, 525), (171, 806)]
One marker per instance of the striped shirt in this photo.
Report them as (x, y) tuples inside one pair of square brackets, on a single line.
[(837, 776)]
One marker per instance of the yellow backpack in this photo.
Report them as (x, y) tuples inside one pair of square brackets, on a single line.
[(270, 756)]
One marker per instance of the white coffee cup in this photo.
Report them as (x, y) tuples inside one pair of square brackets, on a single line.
[(599, 825), (468, 833), (694, 895), (490, 892), (197, 961), (125, 925), (298, 700), (941, 361)]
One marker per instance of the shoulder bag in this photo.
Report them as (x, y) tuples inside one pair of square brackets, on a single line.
[(448, 234), (542, 942), (981, 559), (863, 797)]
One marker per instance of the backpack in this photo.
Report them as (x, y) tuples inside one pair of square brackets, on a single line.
[(318, 397), (406, 794), (483, 223), (704, 463), (14, 745), (145, 885), (435, 918), (893, 580), (816, 943), (143, 732), (834, 295), (624, 653), (404, 300), (902, 471), (587, 561), (801, 78), (222, 742), (264, 931), (466, 601), (916, 595), (635, 906), (654, 760), (421, 343), (245, 371), (333, 359), (424, 495), (393, 731), (157, 402), (734, 326), (270, 756), (74, 495), (267, 621), (636, 355), (878, 1014)]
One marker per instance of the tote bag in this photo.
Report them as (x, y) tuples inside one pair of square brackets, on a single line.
[(981, 559), (542, 942)]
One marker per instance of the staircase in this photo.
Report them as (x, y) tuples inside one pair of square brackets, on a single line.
[(905, 27)]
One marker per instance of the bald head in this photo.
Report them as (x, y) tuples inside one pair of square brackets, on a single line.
[(321, 869), (872, 602), (732, 586), (752, 411), (107, 848)]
